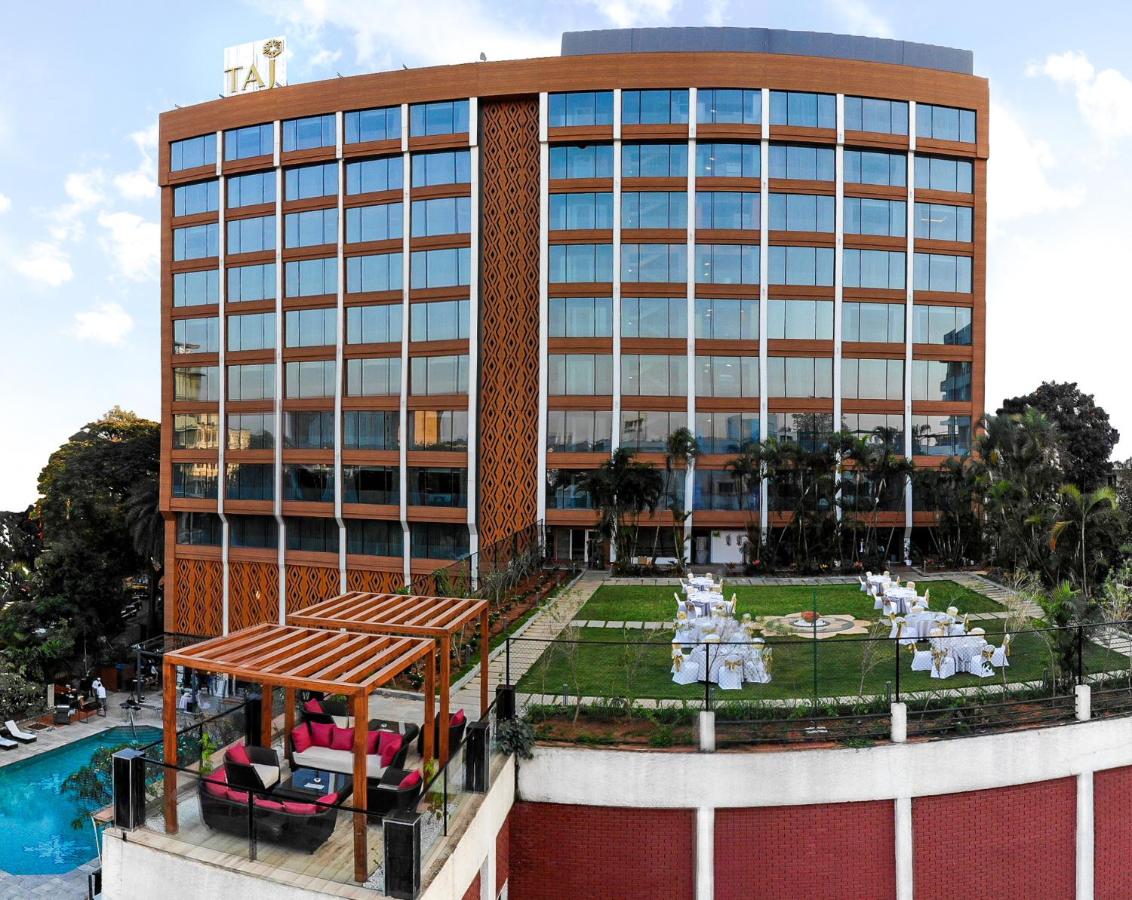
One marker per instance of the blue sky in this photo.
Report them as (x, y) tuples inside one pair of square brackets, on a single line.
[(83, 84)]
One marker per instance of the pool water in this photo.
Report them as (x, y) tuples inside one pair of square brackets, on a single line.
[(36, 816)]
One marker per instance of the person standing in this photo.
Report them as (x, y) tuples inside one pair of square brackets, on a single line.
[(100, 694)]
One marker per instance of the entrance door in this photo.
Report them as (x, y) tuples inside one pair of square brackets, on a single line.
[(595, 557)]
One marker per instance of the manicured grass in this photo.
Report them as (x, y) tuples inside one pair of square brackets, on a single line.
[(638, 603)]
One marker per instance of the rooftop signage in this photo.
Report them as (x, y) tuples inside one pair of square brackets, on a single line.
[(257, 66)]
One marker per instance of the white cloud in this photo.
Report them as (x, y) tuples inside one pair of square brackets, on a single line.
[(107, 323), (85, 192), (860, 18), (5, 203), (44, 262), (1104, 98), (715, 12), (132, 242), (629, 13), (325, 57), (141, 183)]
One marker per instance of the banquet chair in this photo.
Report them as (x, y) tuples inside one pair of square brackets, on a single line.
[(927, 591), (922, 659), (754, 666), (731, 673), (886, 574), (911, 585), (684, 669), (864, 584), (897, 627), (943, 664), (713, 656), (1001, 655), (980, 662)]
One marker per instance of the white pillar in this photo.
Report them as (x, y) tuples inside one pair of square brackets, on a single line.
[(1085, 860), (707, 731), (899, 725), (1083, 702), (904, 849), (705, 853)]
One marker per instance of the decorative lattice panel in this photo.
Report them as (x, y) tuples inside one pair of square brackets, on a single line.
[(199, 593), (373, 582), (509, 315), (310, 584), (253, 594)]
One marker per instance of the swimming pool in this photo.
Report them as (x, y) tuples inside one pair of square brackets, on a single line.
[(36, 816)]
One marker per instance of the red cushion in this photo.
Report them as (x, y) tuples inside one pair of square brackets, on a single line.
[(217, 783), (300, 809), (314, 706), (301, 738), (458, 717), (371, 742), (321, 733), (239, 754), (410, 780), (342, 738), (238, 796), (268, 804), (328, 800), (388, 745)]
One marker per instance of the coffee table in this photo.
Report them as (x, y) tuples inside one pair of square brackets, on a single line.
[(310, 784)]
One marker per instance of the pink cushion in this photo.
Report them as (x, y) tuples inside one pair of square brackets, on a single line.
[(268, 804), (388, 745), (216, 784), (410, 780), (238, 796), (329, 799), (314, 706), (342, 738), (458, 717), (239, 754), (300, 809), (301, 737), (371, 742), (321, 733)]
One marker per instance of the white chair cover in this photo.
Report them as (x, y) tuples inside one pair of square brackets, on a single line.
[(1001, 655), (685, 670), (731, 673), (943, 664)]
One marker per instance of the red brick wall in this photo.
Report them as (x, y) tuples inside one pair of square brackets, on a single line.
[(1112, 833), (601, 853), (473, 891), (1014, 842), (503, 855), (791, 852)]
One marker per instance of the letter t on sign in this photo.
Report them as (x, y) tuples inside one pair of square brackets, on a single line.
[(232, 74)]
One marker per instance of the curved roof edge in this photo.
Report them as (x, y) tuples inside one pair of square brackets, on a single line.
[(768, 40)]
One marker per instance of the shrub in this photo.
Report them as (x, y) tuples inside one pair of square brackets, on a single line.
[(20, 698)]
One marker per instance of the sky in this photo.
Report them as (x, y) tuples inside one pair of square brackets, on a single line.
[(83, 84)]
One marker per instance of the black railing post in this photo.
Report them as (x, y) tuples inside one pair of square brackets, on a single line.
[(1080, 654), (507, 659), (477, 757), (253, 715), (401, 831), (251, 827), (127, 773), (707, 677), (505, 701), (896, 657), (445, 799)]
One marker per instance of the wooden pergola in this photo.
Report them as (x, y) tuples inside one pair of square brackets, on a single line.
[(434, 617), (295, 658)]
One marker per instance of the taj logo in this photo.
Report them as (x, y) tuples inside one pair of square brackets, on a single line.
[(257, 66)]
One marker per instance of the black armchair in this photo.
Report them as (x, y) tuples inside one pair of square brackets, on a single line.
[(456, 725), (257, 773), (385, 795)]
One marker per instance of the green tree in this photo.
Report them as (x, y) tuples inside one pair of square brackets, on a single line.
[(147, 533), (747, 468), (622, 488), (680, 453), (1083, 511)]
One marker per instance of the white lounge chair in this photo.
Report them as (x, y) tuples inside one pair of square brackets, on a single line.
[(23, 737), (6, 744)]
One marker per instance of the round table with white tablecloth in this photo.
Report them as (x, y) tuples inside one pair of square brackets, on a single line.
[(900, 597)]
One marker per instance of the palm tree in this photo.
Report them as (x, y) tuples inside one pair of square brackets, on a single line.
[(1081, 510), (147, 533), (747, 468), (621, 489), (680, 448)]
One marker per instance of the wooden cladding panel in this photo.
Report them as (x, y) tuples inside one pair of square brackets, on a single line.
[(253, 594), (307, 585), (509, 317), (374, 582), (199, 596)]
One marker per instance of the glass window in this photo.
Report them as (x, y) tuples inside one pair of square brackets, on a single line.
[(311, 277), (374, 538), (195, 480), (580, 108), (875, 167), (811, 431), (196, 241), (801, 163), (654, 317), (731, 106), (311, 327), (250, 481), (311, 228), (934, 379), (445, 167), (799, 376), (382, 124), (311, 535), (310, 378), (191, 199), (727, 320), (872, 379), (874, 269), (196, 288), (440, 268), (800, 265), (581, 316), (311, 181), (936, 272), (198, 383), (654, 209), (648, 430), (309, 132), (196, 431), (880, 323), (941, 325), (192, 152), (581, 161), (875, 427), (653, 375), (945, 123), (718, 160), (727, 376), (251, 190), (434, 540), (880, 116), (378, 377), (438, 487), (370, 484), (438, 375), (799, 320), (581, 263), (251, 282), (445, 215), (251, 382), (374, 175), (382, 222), (443, 320), (303, 430), (370, 430), (580, 374), (654, 107), (375, 272), (442, 117), (438, 429), (804, 110), (565, 489), (727, 264), (801, 212), (869, 216), (727, 209), (373, 324), (251, 235), (581, 211), (251, 431), (726, 432), (200, 335), (579, 430), (941, 435), (253, 531), (251, 332), (254, 140), (654, 262), (936, 173), (199, 528), (654, 161), (720, 489), (940, 222)]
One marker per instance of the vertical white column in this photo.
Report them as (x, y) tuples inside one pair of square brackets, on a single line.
[(277, 407), (690, 474), (339, 353), (905, 882), (838, 275), (1085, 835), (705, 853), (909, 296), (222, 411), (403, 415), (616, 432), (473, 337), (764, 257), (543, 301)]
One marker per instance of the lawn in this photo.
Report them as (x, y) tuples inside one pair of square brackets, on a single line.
[(637, 603)]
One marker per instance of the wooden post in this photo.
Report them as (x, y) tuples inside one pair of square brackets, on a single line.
[(429, 706), (265, 716), (445, 689), (485, 657), (361, 853), (169, 739), (288, 720)]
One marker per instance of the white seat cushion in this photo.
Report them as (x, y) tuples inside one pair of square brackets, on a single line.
[(269, 775), (341, 761)]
